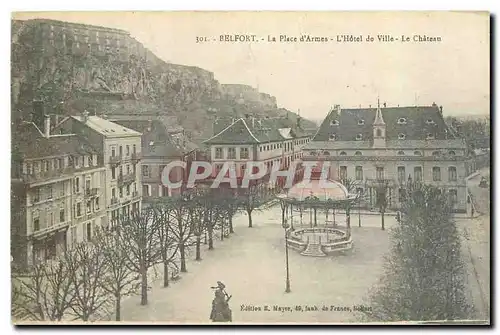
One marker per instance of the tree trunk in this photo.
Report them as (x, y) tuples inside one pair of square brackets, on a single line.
[(165, 273), (222, 229), (144, 285), (198, 248), (315, 218), (118, 306), (249, 212), (210, 237), (183, 257), (383, 223), (231, 229)]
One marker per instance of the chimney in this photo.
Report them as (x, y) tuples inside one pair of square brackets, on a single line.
[(85, 116), (337, 108), (46, 126), (441, 110), (385, 104)]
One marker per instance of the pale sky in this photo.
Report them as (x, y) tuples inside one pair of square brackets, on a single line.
[(313, 77)]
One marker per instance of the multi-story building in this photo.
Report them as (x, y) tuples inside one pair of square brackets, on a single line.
[(120, 148), (395, 145), (160, 148), (57, 190), (272, 141)]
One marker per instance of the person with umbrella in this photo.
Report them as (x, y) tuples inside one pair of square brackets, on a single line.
[(220, 304)]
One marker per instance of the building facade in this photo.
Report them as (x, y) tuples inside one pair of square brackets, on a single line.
[(57, 192), (273, 142), (394, 145)]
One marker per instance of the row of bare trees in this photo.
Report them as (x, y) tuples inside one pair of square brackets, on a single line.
[(117, 262)]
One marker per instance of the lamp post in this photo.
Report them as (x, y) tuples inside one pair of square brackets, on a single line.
[(285, 227), (359, 208)]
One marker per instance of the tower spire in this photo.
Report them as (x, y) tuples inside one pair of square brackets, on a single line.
[(379, 119)]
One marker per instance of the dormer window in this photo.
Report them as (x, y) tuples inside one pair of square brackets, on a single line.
[(343, 153), (401, 136), (401, 153), (451, 153), (429, 121), (430, 136), (361, 122), (358, 153), (417, 153), (334, 123), (333, 137), (312, 153), (402, 120), (359, 137)]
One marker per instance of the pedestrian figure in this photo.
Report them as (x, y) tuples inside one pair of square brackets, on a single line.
[(220, 305)]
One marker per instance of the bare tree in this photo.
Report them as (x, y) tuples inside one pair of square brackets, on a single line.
[(382, 189), (250, 200), (118, 280), (139, 236), (44, 294), (86, 267)]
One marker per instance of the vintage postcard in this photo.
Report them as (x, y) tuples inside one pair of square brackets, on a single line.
[(250, 167)]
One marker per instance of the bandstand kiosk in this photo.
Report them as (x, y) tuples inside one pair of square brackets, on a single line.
[(316, 201)]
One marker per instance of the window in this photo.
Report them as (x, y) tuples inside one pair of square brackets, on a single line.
[(451, 153), (326, 153), (436, 173), (96, 206), (134, 149), (333, 137), (36, 220), (401, 174), (87, 184), (435, 153), (46, 165), (50, 219), (89, 206), (361, 122), (358, 153), (380, 173), (244, 153), (91, 161), (452, 173), (343, 153), (128, 169), (417, 173), (231, 153), (359, 173), (379, 133), (343, 172), (113, 173), (121, 151), (334, 123), (430, 136), (452, 196), (218, 153), (79, 209), (77, 185), (145, 170), (401, 120), (128, 150), (401, 136), (62, 216), (417, 153), (29, 169), (36, 195), (89, 231), (121, 192), (359, 137), (49, 192), (128, 189), (401, 153), (113, 151), (145, 190)]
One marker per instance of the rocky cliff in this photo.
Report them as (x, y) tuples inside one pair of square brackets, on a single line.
[(75, 67)]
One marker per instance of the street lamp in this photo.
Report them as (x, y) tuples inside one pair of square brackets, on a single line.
[(285, 227)]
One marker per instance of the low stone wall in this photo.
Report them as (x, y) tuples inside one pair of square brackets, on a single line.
[(340, 242)]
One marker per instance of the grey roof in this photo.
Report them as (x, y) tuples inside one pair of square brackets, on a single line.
[(352, 122), (106, 127)]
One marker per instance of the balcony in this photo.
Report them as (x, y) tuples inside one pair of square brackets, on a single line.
[(46, 175), (114, 200), (91, 192), (136, 156), (115, 160), (126, 178), (50, 229)]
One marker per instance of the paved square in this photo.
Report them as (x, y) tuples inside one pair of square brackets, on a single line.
[(252, 265)]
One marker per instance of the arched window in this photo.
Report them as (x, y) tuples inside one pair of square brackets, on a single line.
[(401, 136), (401, 153), (312, 153), (451, 153), (435, 153), (333, 137), (343, 153), (361, 122), (379, 132), (326, 153), (334, 123), (358, 153), (402, 120), (359, 137), (417, 153)]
